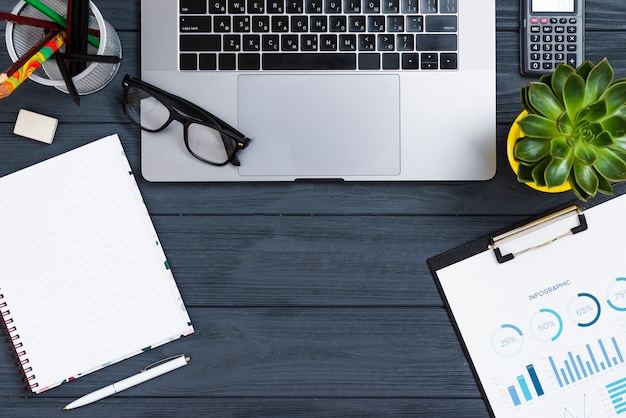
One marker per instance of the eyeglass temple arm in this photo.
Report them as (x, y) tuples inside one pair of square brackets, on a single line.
[(186, 106)]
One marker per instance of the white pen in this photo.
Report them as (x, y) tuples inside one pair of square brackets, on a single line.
[(145, 375)]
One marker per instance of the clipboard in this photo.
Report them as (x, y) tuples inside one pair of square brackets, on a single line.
[(540, 310)]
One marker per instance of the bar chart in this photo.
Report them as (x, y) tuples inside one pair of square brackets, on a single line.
[(617, 394), (594, 358), (522, 384)]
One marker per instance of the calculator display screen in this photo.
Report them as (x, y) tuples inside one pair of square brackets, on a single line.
[(559, 6)]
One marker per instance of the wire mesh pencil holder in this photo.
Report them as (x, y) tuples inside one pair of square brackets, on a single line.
[(20, 38)]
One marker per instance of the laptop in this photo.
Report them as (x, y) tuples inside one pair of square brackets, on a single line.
[(347, 90)]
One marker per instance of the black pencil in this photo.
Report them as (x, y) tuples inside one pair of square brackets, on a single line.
[(77, 30)]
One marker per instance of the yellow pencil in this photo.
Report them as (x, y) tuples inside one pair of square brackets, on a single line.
[(37, 57)]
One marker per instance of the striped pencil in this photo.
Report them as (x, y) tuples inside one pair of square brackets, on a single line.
[(35, 58)]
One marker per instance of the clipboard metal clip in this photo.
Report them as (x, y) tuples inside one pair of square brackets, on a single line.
[(529, 228)]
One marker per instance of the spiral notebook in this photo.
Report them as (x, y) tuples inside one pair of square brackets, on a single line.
[(85, 282)]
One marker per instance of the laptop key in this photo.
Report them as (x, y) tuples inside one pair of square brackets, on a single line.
[(197, 7), (316, 61), (369, 61), (249, 61), (442, 23), (200, 43), (436, 42), (410, 61)]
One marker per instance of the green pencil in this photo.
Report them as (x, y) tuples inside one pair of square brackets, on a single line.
[(37, 4)]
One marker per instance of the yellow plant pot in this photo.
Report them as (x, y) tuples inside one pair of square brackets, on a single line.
[(514, 134)]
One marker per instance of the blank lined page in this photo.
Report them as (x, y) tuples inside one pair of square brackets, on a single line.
[(84, 277)]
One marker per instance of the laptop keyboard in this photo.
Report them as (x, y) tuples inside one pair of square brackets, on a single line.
[(227, 35)]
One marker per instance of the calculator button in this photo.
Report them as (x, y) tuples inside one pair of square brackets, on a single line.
[(534, 20), (571, 60), (543, 20), (535, 29)]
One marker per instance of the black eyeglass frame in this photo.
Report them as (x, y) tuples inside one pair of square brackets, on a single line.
[(186, 113)]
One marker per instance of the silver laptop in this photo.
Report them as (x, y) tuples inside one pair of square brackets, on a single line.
[(376, 90)]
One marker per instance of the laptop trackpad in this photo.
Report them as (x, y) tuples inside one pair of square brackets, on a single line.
[(320, 125)]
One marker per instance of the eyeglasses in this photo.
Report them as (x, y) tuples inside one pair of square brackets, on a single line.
[(207, 138)]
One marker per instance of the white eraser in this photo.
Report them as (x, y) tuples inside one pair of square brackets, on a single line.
[(35, 126)]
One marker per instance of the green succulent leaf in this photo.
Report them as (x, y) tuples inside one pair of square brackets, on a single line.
[(558, 170), (602, 140), (618, 144), (543, 99), (538, 126), (524, 173), (560, 148), (564, 123), (604, 186), (586, 178), (558, 78), (585, 153), (584, 69), (599, 78), (574, 93), (610, 165), (531, 149), (538, 173), (593, 112), (578, 191), (615, 125), (524, 100), (615, 97)]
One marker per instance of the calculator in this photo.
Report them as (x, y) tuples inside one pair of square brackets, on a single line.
[(551, 32)]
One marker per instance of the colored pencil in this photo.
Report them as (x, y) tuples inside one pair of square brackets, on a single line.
[(37, 4), (40, 23), (30, 21), (27, 56), (107, 59), (67, 78), (15, 79), (76, 39)]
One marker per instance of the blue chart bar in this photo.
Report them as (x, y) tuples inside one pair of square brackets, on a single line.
[(617, 390), (522, 384), (578, 366)]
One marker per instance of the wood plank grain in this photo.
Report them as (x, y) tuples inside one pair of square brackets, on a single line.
[(202, 407), (295, 352)]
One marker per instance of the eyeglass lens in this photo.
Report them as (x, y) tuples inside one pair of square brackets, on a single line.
[(204, 142), (145, 109)]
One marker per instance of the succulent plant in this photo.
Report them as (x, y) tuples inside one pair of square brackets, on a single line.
[(575, 130)]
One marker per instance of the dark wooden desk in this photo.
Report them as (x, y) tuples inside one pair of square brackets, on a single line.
[(307, 299)]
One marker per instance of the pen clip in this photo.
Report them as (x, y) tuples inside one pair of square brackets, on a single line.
[(156, 363)]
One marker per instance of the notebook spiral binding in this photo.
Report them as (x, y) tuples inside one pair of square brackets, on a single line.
[(15, 345)]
